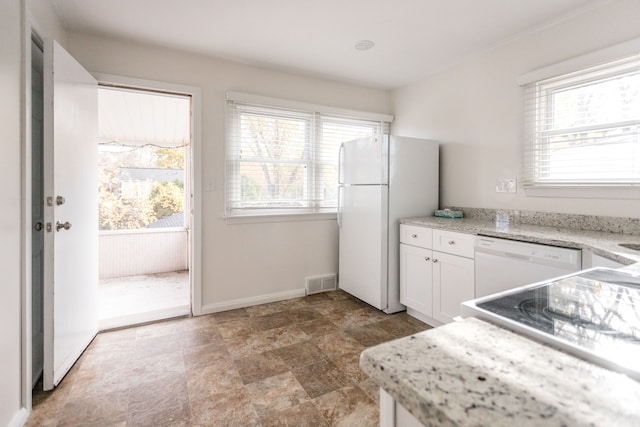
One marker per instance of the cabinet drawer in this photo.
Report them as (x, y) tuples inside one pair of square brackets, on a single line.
[(453, 243), (415, 236)]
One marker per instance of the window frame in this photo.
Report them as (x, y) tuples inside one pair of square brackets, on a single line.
[(314, 116), (542, 85)]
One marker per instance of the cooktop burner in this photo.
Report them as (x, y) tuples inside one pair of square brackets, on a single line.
[(595, 313)]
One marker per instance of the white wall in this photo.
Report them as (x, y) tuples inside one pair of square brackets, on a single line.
[(10, 54), (239, 261), (475, 109), (45, 19)]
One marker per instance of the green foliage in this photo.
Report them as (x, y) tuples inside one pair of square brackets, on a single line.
[(116, 213), (169, 158), (166, 198), (145, 201)]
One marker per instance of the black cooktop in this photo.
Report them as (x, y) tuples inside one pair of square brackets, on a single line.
[(597, 310)]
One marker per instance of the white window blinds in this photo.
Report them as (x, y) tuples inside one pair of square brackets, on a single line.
[(583, 128), (285, 160)]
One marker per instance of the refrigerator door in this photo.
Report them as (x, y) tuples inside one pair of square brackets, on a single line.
[(363, 243), (365, 161)]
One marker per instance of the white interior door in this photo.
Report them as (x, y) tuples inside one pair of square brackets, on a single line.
[(70, 175)]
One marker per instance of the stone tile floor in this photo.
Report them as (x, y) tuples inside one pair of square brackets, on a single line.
[(289, 363)]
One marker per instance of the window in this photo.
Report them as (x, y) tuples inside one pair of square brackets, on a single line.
[(285, 160), (582, 129)]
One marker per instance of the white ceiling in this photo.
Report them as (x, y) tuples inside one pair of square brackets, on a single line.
[(413, 38)]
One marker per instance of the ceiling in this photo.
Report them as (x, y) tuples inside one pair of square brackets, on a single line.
[(413, 38)]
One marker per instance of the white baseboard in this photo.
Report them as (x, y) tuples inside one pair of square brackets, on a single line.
[(248, 302), (423, 317), (19, 418), (144, 317)]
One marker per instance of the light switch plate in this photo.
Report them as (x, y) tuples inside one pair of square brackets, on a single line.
[(506, 185)]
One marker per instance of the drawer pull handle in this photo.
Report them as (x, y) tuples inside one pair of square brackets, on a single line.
[(427, 258), (452, 242), (414, 236)]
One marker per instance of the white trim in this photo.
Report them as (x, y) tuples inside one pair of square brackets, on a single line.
[(611, 53), (251, 301), (305, 106), (423, 317), (195, 233), (30, 28), (19, 418), (141, 318), (256, 219)]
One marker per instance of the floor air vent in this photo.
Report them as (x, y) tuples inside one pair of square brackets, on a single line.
[(318, 284)]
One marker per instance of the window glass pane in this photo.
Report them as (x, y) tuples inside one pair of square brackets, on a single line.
[(583, 156), (274, 184), (334, 133), (276, 138), (273, 157), (605, 101)]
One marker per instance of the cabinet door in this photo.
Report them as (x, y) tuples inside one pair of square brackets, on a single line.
[(453, 283), (416, 282)]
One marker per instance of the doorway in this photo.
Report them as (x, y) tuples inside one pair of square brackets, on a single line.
[(144, 222), (37, 210), (37, 303)]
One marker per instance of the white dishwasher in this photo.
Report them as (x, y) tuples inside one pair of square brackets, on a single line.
[(502, 264)]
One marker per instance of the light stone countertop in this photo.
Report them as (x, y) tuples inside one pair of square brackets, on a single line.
[(600, 243), (472, 373)]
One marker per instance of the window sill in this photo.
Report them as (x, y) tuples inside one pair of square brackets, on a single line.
[(590, 192), (282, 217)]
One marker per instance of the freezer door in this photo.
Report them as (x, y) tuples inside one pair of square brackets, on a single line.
[(365, 161), (363, 243)]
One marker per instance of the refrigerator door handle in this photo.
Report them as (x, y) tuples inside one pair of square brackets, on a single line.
[(339, 210), (341, 155)]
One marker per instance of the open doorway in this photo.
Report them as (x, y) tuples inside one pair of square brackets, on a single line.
[(144, 205)]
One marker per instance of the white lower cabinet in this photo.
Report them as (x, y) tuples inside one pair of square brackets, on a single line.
[(416, 278), (392, 414), (453, 283), (433, 283)]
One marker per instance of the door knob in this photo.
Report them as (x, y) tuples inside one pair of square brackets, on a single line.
[(59, 225), (60, 200), (39, 226)]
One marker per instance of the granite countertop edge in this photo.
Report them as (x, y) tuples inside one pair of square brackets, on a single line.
[(600, 243), (472, 373)]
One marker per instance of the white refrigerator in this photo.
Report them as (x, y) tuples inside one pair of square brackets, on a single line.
[(381, 180)]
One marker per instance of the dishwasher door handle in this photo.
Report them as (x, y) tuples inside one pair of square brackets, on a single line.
[(510, 255), (503, 254)]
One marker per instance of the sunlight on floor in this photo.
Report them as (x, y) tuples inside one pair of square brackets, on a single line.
[(138, 299)]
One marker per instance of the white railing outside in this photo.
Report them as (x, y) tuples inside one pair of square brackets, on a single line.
[(148, 251)]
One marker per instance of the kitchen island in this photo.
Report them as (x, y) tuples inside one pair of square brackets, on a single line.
[(473, 373)]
